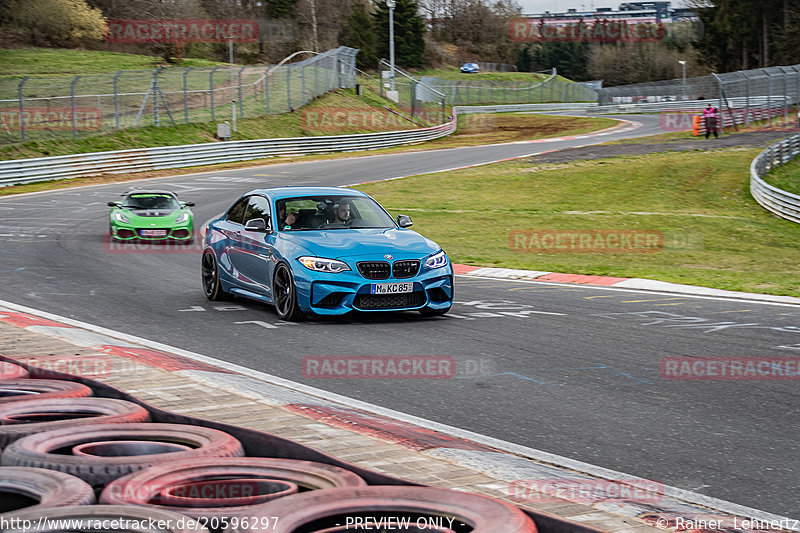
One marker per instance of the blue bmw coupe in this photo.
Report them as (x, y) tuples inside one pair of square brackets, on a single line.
[(323, 251)]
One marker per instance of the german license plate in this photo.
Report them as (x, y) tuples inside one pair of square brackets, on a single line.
[(391, 288), (153, 233)]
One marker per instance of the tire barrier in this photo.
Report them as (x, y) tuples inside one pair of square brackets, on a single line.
[(129, 519), (12, 371), (37, 488), (303, 486), (375, 506), (13, 390), (232, 486), (143, 445), (26, 417)]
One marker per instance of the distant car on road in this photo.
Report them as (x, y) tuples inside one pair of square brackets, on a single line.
[(470, 68), (323, 251), (151, 215)]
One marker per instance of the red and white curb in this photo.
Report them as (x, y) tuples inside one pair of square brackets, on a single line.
[(507, 462), (621, 283)]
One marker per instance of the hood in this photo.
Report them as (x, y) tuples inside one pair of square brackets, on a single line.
[(364, 243)]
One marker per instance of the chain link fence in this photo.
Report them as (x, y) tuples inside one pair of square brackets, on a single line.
[(746, 95), (538, 90), (420, 102), (34, 108)]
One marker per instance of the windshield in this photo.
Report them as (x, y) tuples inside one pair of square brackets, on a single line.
[(331, 212), (151, 201)]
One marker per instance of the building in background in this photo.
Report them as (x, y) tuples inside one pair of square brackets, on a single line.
[(630, 12)]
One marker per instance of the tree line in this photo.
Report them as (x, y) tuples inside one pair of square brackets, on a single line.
[(730, 34)]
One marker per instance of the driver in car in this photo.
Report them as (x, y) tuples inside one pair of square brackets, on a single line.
[(341, 213)]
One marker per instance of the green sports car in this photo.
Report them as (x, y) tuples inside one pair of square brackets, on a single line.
[(151, 215)]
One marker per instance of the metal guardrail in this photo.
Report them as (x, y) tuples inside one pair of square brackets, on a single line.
[(777, 201), (142, 159), (20, 171), (520, 108), (757, 102)]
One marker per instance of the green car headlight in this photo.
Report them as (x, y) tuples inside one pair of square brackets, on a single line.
[(121, 218), (183, 217)]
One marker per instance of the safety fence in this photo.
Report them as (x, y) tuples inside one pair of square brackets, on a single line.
[(541, 88), (771, 91), (41, 108), (779, 202), (423, 103)]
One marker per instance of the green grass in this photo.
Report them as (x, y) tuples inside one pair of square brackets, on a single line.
[(270, 126), (661, 138), (715, 233), (66, 62), (454, 73), (786, 177), (480, 129)]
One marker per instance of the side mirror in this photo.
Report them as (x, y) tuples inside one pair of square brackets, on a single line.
[(114, 204), (187, 204), (257, 224), (404, 221)]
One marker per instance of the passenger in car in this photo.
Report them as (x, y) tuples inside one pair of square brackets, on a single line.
[(285, 220)]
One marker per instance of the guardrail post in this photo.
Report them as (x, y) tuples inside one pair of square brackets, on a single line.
[(211, 91), (316, 80), (241, 104), (303, 100), (289, 87), (186, 96), (156, 121), (116, 100), (266, 88), (786, 102), (74, 107), (23, 130)]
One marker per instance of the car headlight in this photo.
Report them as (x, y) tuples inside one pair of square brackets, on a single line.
[(121, 218), (437, 260), (320, 264), (183, 217)]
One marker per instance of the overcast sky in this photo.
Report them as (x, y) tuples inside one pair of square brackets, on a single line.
[(540, 6)]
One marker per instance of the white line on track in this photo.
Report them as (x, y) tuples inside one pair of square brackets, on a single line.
[(509, 447)]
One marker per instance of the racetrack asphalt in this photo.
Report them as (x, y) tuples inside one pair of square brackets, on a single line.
[(571, 370)]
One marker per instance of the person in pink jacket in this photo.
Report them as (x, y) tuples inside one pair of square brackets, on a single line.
[(710, 117)]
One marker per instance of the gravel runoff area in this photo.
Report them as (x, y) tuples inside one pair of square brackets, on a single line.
[(753, 139)]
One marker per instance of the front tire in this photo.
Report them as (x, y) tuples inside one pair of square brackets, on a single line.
[(285, 295), (211, 285)]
